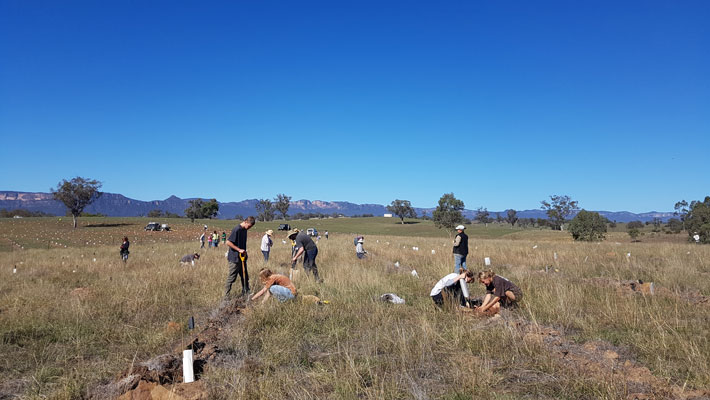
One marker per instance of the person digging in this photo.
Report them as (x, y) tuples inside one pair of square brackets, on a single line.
[(308, 249), (451, 285), (500, 292)]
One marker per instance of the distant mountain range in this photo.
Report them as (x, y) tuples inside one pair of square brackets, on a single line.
[(117, 205)]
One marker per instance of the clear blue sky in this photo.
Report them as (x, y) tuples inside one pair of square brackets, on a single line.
[(502, 103)]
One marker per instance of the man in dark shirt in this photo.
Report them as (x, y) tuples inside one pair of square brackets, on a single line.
[(460, 249), (305, 246), (237, 256)]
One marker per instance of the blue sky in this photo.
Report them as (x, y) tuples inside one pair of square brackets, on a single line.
[(502, 103)]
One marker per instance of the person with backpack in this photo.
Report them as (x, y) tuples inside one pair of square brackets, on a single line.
[(359, 249)]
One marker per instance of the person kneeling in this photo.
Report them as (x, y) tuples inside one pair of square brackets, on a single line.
[(275, 284), (451, 284), (499, 292)]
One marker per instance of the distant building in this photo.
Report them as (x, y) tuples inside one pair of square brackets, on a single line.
[(388, 215)]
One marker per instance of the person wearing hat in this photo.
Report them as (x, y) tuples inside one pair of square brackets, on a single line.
[(359, 250), (266, 244), (307, 248), (460, 249)]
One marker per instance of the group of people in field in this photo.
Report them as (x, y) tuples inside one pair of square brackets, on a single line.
[(211, 238), (500, 292)]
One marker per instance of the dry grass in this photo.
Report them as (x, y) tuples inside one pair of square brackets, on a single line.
[(58, 341)]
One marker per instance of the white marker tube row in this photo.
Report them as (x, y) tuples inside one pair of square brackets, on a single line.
[(187, 373)]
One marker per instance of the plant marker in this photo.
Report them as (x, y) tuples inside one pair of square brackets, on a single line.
[(487, 261), (188, 374)]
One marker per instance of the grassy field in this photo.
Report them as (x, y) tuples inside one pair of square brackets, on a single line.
[(74, 317)]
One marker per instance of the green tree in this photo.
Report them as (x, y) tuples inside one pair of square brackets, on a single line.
[(588, 226), (634, 233), (634, 225), (681, 211), (402, 208), (698, 220), (448, 213), (210, 209), (265, 209), (194, 210), (155, 213), (281, 204), (76, 194), (558, 209), (511, 217), (483, 216), (674, 225)]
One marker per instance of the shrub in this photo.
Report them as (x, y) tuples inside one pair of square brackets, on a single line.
[(588, 226)]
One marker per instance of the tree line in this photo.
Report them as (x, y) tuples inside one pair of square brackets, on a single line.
[(693, 217)]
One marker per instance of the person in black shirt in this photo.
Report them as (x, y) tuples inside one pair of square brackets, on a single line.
[(124, 248), (237, 256), (460, 249), (308, 249), (500, 292)]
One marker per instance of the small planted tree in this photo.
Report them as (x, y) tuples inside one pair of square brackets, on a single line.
[(588, 226), (448, 213), (403, 209), (76, 194)]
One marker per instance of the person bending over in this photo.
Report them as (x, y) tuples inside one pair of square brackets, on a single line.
[(451, 284), (275, 284), (500, 292)]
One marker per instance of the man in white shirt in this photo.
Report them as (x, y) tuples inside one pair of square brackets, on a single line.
[(266, 244)]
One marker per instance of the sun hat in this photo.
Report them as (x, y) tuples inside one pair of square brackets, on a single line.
[(292, 232), (270, 232), (460, 227), (360, 240)]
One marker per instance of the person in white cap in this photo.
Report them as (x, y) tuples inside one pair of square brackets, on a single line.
[(359, 250), (266, 244), (460, 249)]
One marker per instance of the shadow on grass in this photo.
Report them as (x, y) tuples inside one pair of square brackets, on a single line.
[(107, 225)]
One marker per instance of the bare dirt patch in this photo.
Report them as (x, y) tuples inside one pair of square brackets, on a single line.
[(161, 376)]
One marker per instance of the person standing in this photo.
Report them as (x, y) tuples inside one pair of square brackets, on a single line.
[(460, 249), (359, 249), (209, 240), (237, 256), (124, 248), (326, 235), (202, 240), (308, 249), (215, 239), (266, 244), (224, 238)]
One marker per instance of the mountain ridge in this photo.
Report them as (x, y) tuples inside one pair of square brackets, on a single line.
[(118, 205)]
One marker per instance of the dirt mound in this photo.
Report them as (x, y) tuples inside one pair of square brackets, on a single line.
[(161, 376), (629, 286), (605, 362)]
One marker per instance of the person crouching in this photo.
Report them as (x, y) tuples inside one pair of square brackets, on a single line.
[(500, 292), (275, 284), (451, 284), (189, 259)]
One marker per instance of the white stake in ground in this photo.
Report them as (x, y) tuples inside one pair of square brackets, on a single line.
[(487, 261), (188, 374)]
